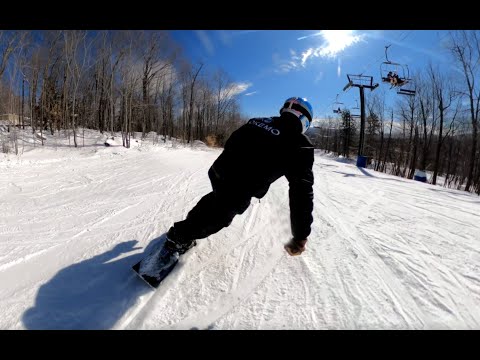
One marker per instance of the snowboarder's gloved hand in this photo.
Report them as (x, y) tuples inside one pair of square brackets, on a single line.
[(295, 247)]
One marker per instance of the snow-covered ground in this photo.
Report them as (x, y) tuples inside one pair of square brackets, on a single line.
[(384, 253)]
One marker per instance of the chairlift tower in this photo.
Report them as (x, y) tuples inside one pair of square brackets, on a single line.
[(362, 82)]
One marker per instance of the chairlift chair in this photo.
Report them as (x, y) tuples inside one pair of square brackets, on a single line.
[(336, 106), (407, 90), (403, 91), (395, 74), (355, 109)]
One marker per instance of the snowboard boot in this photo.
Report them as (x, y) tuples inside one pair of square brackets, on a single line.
[(295, 247), (157, 263), (174, 243), (180, 248)]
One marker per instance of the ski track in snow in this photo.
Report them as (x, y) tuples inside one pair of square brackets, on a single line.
[(384, 253)]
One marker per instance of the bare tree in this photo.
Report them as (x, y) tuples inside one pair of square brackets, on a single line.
[(426, 117), (348, 130), (166, 103), (224, 92), (407, 113), (444, 97), (11, 40), (189, 78), (130, 77), (77, 60), (18, 46), (465, 47), (157, 56), (124, 81), (373, 129), (452, 152), (388, 145), (376, 109)]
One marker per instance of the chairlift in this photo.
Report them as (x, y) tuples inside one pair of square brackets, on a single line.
[(410, 91), (336, 106), (406, 92), (355, 109), (395, 74)]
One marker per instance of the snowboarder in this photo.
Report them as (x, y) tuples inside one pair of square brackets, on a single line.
[(255, 155)]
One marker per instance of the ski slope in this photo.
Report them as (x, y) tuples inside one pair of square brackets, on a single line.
[(384, 253)]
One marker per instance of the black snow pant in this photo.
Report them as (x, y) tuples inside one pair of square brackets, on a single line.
[(212, 213)]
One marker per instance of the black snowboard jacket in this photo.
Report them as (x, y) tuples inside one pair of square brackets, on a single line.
[(259, 153)]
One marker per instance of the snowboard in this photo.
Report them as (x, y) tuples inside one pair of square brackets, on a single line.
[(156, 266)]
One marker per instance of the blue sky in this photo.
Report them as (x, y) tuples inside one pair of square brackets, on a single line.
[(271, 65)]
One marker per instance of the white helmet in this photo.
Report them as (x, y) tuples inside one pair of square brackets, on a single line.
[(301, 108)]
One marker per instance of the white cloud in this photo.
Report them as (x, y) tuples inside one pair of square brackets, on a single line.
[(285, 66), (205, 40), (235, 89), (305, 37), (225, 37), (251, 93), (306, 55), (334, 42)]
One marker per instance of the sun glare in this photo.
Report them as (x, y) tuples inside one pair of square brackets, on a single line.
[(336, 41)]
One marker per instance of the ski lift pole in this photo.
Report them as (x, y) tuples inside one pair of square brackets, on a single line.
[(362, 121), (362, 82), (386, 49)]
